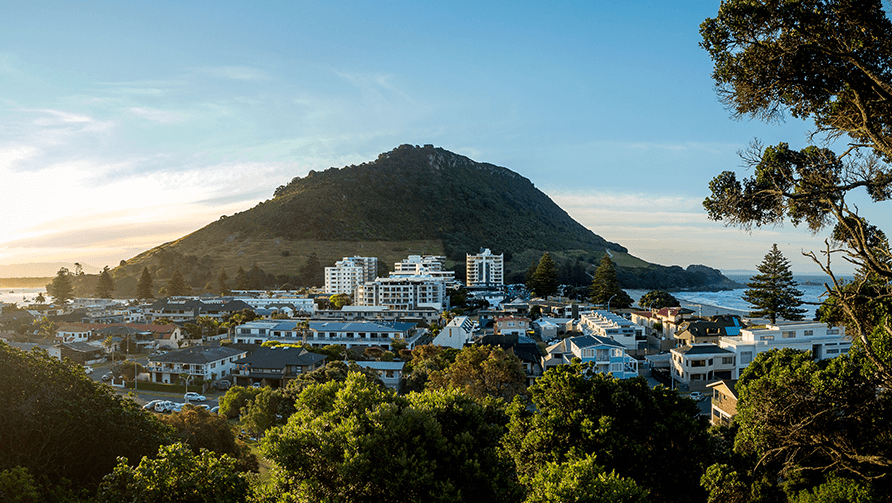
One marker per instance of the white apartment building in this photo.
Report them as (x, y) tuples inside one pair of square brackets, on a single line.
[(821, 340), (614, 326), (348, 273), (403, 292), (424, 265), (356, 334), (485, 268)]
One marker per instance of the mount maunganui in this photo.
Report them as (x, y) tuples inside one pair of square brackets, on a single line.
[(411, 200)]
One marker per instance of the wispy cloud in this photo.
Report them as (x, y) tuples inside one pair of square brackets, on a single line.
[(159, 116)]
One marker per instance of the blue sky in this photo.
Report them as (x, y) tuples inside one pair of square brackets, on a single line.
[(124, 125)]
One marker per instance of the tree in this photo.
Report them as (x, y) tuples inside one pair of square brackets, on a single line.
[(605, 287), (40, 299), (582, 481), (177, 474), (223, 282), (480, 371), (50, 404), (241, 279), (354, 441), (176, 286), (235, 399), (106, 285), (658, 299), (340, 300), (828, 62), (144, 287), (61, 289), (773, 292), (630, 428), (545, 277), (200, 429)]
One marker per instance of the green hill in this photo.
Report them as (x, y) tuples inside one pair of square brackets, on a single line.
[(410, 200)]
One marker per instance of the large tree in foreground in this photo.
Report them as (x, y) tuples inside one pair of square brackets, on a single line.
[(773, 291), (829, 62)]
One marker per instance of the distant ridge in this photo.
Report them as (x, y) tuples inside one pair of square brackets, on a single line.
[(410, 200)]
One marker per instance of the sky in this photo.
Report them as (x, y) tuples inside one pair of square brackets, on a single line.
[(124, 125)]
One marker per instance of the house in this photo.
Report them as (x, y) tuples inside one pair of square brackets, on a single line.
[(724, 401), (614, 326), (275, 366), (82, 353), (665, 321), (390, 373), (608, 355), (207, 363), (698, 365), (511, 325), (456, 333), (708, 331), (823, 341), (378, 313)]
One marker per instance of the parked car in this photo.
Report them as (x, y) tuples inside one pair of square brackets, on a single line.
[(107, 376), (88, 369), (223, 384), (151, 405), (164, 406), (177, 406), (697, 396), (256, 385), (216, 410), (194, 397)]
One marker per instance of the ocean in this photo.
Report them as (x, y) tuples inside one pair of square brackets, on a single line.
[(812, 289), (21, 296)]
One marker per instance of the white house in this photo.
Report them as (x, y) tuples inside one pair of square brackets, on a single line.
[(607, 324), (356, 334), (456, 333)]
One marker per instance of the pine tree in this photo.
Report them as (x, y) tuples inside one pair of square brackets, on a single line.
[(773, 293), (222, 282), (546, 276), (241, 279), (61, 289), (176, 286), (106, 285), (144, 287), (605, 287)]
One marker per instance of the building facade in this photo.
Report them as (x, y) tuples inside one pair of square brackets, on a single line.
[(348, 273), (485, 269), (358, 334)]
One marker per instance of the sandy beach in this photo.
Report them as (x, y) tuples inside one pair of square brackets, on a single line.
[(706, 310)]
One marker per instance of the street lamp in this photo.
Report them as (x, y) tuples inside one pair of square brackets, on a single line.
[(608, 302)]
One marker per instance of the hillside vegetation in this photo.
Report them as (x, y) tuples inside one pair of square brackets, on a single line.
[(411, 200)]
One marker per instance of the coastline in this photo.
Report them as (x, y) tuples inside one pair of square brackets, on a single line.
[(707, 310)]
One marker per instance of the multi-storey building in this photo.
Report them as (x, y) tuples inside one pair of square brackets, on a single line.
[(424, 265), (206, 363), (403, 292), (607, 324), (485, 269), (698, 365), (346, 274), (358, 334)]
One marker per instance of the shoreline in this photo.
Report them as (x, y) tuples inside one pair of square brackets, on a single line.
[(707, 310)]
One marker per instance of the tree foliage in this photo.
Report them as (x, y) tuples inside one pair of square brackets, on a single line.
[(177, 474), (658, 299), (353, 441), (176, 285), (144, 288), (62, 425), (61, 288), (545, 277), (828, 61), (200, 429), (631, 429), (105, 286), (773, 291), (582, 481), (480, 371), (605, 287), (235, 399)]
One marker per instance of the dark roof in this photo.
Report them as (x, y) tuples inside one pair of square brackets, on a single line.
[(702, 349), (197, 355), (279, 357), (81, 347), (584, 341), (717, 326), (526, 351)]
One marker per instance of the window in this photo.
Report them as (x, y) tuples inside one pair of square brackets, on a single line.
[(832, 331), (616, 367), (808, 332), (727, 360), (768, 337), (789, 335), (832, 351), (746, 357), (696, 377), (698, 363)]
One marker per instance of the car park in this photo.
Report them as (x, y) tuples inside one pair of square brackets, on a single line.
[(194, 397)]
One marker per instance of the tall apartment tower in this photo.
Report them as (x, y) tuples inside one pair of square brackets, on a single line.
[(485, 269), (350, 272)]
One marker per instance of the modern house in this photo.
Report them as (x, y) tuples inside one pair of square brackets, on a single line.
[(390, 373), (456, 333), (608, 355), (206, 363), (511, 325), (698, 365), (708, 331), (614, 326), (275, 367), (724, 402)]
